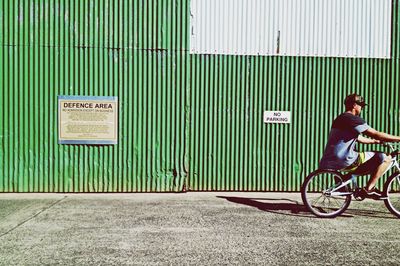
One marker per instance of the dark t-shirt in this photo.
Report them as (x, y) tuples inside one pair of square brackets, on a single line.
[(340, 150)]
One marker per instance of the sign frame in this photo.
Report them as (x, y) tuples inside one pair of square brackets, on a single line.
[(277, 117), (93, 140)]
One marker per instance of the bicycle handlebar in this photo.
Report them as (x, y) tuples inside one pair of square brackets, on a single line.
[(393, 146), (390, 144)]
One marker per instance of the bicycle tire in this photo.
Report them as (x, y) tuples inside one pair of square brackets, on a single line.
[(312, 186), (392, 190)]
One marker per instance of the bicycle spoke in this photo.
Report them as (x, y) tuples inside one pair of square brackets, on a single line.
[(318, 196), (393, 190), (398, 182), (316, 200), (337, 202), (317, 186), (326, 207)]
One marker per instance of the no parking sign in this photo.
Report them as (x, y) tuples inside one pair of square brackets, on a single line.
[(282, 117)]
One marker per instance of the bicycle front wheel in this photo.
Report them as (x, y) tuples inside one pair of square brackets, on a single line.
[(321, 195), (392, 190)]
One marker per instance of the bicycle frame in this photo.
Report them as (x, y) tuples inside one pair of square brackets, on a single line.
[(335, 191)]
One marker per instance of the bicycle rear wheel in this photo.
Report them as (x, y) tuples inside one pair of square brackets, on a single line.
[(320, 195), (392, 190)]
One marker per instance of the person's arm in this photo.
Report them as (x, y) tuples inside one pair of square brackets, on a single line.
[(365, 140), (372, 133)]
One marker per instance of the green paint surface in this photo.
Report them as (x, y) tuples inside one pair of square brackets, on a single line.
[(186, 122)]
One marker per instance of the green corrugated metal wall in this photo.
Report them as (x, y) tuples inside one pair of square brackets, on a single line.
[(186, 122)]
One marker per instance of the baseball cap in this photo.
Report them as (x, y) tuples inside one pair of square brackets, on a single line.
[(354, 98)]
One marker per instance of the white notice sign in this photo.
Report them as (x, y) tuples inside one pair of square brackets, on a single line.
[(88, 120), (282, 117)]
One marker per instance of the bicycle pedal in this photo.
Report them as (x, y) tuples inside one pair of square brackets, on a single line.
[(359, 198), (358, 195)]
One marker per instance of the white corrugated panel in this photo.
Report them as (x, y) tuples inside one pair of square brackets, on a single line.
[(333, 28)]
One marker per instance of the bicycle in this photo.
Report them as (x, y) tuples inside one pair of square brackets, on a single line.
[(327, 193)]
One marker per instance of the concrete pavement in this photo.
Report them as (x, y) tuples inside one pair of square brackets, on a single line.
[(194, 228)]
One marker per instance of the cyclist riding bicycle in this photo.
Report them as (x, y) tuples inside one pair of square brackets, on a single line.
[(340, 153)]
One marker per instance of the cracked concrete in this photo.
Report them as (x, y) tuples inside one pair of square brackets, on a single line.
[(190, 228)]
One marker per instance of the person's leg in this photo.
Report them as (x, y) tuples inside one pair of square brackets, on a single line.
[(376, 165), (385, 160), (369, 161)]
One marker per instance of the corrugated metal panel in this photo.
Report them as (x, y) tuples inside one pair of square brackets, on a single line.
[(191, 121), (129, 49), (232, 149), (333, 28)]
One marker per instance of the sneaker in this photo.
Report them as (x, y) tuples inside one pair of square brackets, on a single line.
[(374, 194)]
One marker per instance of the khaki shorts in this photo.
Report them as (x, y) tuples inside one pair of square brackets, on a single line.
[(366, 163)]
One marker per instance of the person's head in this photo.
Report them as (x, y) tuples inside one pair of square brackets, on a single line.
[(355, 103)]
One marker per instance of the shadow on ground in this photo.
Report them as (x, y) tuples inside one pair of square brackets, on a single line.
[(295, 208), (280, 206)]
